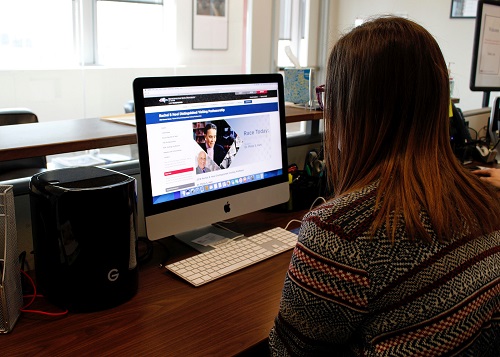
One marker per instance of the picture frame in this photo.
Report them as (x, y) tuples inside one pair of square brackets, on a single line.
[(210, 24), (464, 9)]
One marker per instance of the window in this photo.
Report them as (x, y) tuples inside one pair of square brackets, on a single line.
[(292, 32), (292, 35), (135, 33), (28, 39), (309, 132), (296, 129), (89, 32), (298, 29)]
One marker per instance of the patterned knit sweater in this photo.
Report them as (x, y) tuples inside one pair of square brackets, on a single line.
[(348, 294)]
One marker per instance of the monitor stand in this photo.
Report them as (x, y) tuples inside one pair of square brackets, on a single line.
[(206, 238)]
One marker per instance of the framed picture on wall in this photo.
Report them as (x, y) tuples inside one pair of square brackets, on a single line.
[(463, 8), (210, 24)]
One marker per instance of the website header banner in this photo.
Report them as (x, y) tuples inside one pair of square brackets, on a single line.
[(209, 113)]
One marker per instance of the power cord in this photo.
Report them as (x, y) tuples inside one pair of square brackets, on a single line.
[(474, 131), (144, 244), (312, 206), (292, 221), (316, 200), (146, 247), (166, 251), (33, 297)]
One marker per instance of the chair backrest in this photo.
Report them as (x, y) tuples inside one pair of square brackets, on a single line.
[(12, 116), (20, 167), (129, 107)]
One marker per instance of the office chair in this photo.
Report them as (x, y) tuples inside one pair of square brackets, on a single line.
[(27, 167), (129, 107)]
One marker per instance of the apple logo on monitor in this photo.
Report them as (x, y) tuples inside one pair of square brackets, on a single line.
[(227, 207)]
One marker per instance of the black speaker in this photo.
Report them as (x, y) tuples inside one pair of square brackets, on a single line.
[(84, 223)]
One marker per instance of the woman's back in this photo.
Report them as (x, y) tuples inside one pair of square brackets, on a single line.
[(378, 298)]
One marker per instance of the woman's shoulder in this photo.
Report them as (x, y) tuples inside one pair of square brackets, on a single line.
[(338, 230), (346, 218), (351, 204)]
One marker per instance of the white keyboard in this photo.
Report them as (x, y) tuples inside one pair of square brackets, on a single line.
[(232, 256)]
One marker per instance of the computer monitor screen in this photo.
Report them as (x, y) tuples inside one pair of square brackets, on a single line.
[(210, 148), (485, 71)]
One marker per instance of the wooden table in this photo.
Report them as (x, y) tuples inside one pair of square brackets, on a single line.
[(57, 137), (169, 317), (294, 114)]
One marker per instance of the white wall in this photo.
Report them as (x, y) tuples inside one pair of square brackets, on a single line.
[(454, 36), (261, 36)]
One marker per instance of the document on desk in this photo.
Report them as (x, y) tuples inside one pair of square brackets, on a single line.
[(127, 119)]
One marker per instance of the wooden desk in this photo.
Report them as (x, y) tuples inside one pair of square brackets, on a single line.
[(169, 317), (57, 137), (294, 114)]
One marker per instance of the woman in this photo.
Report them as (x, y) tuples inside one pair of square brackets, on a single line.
[(405, 258)]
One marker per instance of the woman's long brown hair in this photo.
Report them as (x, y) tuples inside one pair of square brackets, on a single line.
[(387, 120)]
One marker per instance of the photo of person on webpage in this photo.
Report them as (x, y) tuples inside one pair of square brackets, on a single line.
[(202, 161), (216, 152)]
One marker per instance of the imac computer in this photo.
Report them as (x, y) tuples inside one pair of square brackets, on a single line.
[(211, 148)]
